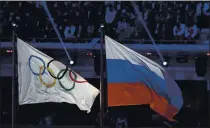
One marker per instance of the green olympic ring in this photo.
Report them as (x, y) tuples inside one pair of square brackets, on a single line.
[(66, 89)]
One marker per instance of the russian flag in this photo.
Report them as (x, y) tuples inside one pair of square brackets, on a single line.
[(135, 80)]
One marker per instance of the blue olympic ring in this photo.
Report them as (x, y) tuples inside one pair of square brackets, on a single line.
[(29, 63)]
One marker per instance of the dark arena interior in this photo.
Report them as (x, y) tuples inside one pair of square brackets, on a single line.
[(181, 32)]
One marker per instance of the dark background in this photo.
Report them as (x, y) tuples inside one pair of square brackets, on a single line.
[(194, 93)]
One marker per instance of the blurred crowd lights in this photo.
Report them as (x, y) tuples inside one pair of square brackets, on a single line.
[(9, 51), (149, 53), (89, 53)]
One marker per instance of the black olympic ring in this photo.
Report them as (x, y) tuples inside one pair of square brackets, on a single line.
[(48, 64), (64, 72)]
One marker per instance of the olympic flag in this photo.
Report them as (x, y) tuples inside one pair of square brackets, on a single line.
[(135, 80), (43, 79)]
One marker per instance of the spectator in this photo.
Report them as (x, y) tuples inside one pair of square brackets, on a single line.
[(119, 6), (110, 14), (47, 121), (206, 9), (159, 31), (179, 30), (121, 122), (191, 32), (198, 9), (124, 30), (191, 12), (90, 30), (204, 36), (1, 21), (69, 31)]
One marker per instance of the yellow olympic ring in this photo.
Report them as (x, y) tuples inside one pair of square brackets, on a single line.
[(40, 77)]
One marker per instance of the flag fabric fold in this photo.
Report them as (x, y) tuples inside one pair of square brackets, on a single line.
[(135, 80), (41, 81)]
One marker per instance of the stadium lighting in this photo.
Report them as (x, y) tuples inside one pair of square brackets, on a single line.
[(165, 63), (71, 62), (102, 25), (149, 53), (13, 24)]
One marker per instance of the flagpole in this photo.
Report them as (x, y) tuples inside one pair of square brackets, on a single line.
[(208, 89), (208, 92), (1, 105), (13, 76), (102, 78)]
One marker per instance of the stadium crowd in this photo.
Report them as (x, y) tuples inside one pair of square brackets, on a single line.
[(73, 19), (171, 20)]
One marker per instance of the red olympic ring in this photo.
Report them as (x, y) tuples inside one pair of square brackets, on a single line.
[(76, 81)]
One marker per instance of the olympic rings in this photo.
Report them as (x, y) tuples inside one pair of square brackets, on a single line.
[(48, 64), (63, 70), (40, 78), (60, 75), (29, 63)]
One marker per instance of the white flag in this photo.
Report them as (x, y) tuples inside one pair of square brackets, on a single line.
[(40, 82)]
